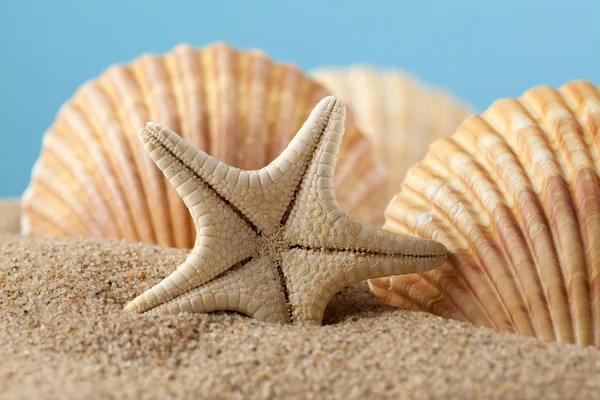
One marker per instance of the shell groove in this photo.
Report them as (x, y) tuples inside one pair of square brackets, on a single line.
[(400, 115), (93, 177), (515, 197)]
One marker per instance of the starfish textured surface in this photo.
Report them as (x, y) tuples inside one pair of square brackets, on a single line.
[(273, 243)]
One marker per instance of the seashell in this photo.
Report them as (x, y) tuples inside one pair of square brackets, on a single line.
[(401, 115), (515, 197), (93, 177)]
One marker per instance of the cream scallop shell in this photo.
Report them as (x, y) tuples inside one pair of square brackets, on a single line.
[(93, 177), (401, 115), (515, 197)]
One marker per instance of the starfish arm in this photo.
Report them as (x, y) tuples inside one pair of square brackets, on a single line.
[(317, 221), (316, 275), (252, 192), (217, 248), (252, 287)]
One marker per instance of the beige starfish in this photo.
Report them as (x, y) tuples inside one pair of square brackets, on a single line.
[(273, 244)]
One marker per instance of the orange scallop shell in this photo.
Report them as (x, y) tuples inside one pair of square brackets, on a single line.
[(514, 195)]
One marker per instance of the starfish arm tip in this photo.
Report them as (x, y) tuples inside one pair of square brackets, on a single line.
[(130, 307), (435, 252), (438, 248), (333, 99), (152, 125), (328, 104), (147, 133)]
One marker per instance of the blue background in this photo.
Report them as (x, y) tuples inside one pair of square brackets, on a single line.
[(480, 50)]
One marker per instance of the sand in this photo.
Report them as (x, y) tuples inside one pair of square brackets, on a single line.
[(64, 335), (9, 217)]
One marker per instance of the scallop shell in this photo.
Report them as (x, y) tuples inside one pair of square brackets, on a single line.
[(401, 115), (515, 197), (93, 177)]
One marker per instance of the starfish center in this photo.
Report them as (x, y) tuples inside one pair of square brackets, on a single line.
[(274, 244)]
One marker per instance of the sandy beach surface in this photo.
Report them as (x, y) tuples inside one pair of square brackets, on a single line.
[(9, 216), (64, 335)]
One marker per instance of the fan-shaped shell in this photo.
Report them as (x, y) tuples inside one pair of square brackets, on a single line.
[(515, 197), (93, 177), (400, 114)]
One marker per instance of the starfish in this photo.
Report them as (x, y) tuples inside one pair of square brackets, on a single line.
[(273, 244)]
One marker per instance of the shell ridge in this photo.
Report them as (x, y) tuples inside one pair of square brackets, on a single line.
[(578, 97), (585, 98), (395, 224), (209, 93), (523, 140), (496, 263), (389, 118), (72, 168), (573, 137), (190, 89), (433, 280), (491, 176), (545, 102), (566, 243), (252, 108), (274, 104), (445, 284), (130, 82), (49, 225), (98, 97), (53, 219), (76, 120), (226, 132), (590, 232), (382, 289), (259, 93), (81, 125), (55, 136), (510, 241), (53, 188), (443, 218)]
